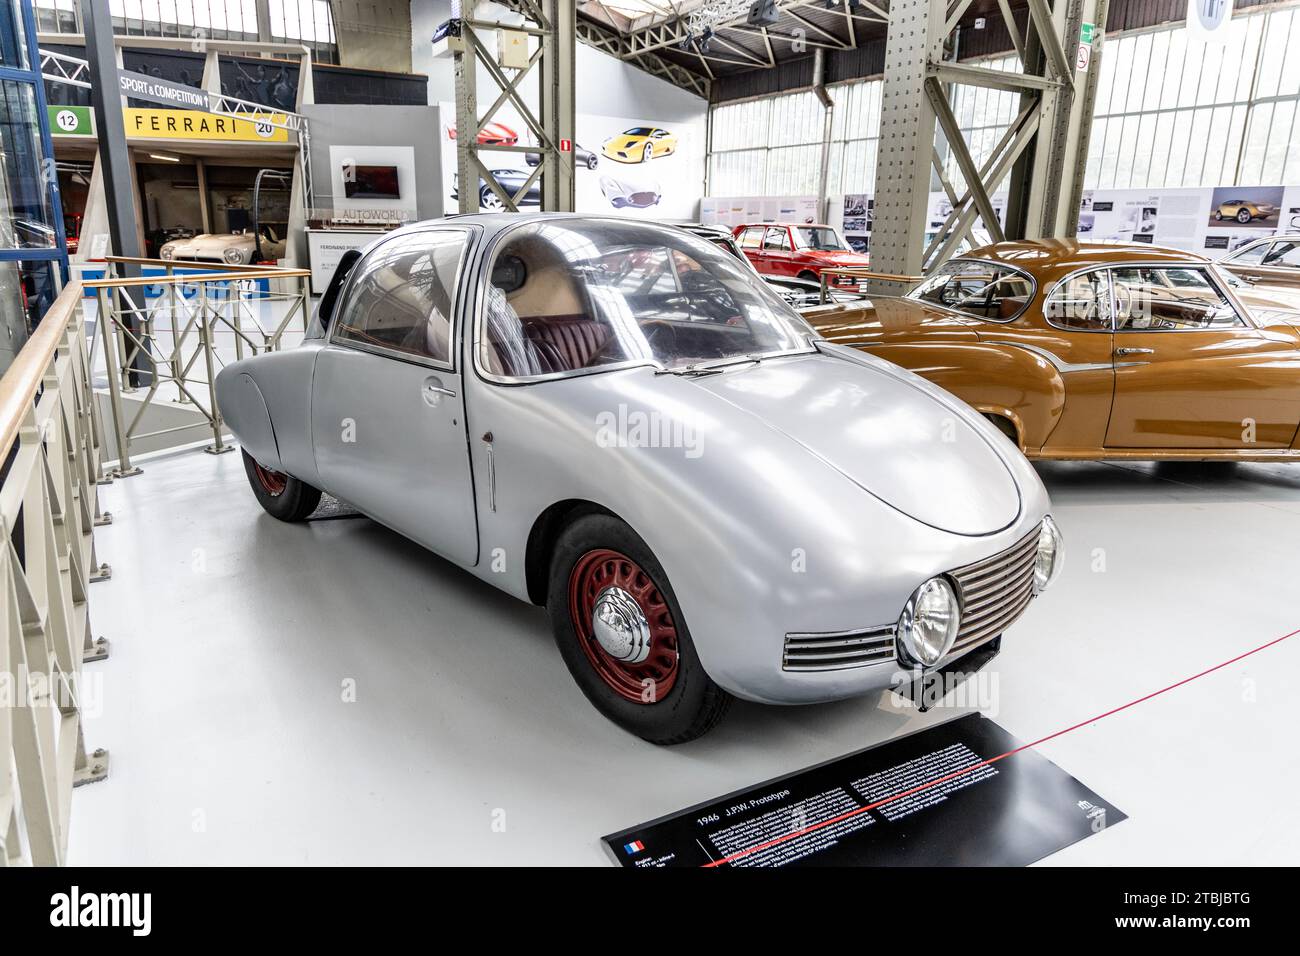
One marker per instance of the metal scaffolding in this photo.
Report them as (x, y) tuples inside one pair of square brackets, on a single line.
[(544, 42), (1039, 155)]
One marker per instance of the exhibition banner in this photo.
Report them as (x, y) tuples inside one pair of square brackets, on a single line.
[(197, 125)]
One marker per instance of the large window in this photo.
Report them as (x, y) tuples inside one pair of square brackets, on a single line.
[(310, 22), (402, 297), (1176, 112), (1165, 299), (982, 290)]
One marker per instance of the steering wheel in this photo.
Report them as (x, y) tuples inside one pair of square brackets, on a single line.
[(661, 336)]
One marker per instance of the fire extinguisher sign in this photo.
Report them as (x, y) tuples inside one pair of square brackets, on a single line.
[(566, 145)]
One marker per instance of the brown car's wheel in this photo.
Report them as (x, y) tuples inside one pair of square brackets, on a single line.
[(283, 496), (623, 637), (1244, 216)]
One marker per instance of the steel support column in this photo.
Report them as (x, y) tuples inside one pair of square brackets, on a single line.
[(906, 139), (551, 28)]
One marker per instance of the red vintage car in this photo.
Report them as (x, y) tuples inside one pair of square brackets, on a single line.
[(799, 251)]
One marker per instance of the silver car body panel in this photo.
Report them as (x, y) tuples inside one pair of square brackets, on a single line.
[(816, 491)]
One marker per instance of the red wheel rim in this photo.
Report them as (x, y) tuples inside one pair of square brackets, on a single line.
[(597, 571), (272, 482)]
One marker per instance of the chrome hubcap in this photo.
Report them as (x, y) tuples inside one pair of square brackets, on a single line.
[(619, 626)]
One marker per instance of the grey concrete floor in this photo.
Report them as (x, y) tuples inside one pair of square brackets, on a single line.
[(236, 638)]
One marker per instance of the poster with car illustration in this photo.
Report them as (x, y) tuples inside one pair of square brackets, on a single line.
[(1246, 207), (622, 165)]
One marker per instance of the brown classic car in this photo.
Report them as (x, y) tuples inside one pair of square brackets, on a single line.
[(1082, 350)]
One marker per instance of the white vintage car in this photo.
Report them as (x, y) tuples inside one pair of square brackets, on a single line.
[(231, 248), (621, 422)]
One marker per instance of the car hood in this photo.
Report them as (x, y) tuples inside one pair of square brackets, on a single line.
[(831, 258), (624, 142), (886, 431)]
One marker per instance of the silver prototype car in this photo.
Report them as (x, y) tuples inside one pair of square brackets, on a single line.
[(620, 422)]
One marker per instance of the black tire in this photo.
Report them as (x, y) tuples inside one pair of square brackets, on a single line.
[(1218, 215), (694, 704), (809, 276), (592, 161), (281, 495), (1244, 216)]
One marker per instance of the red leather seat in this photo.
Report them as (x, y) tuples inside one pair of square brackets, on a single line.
[(566, 342)]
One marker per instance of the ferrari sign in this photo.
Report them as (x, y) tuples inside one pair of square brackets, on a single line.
[(192, 124)]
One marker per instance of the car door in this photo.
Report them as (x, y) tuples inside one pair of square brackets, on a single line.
[(1192, 371), (388, 417), (778, 255)]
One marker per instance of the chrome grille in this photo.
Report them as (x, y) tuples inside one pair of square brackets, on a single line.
[(836, 652), (994, 592)]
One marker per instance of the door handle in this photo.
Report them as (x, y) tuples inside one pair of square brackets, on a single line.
[(1127, 350), (1253, 278), (434, 391)]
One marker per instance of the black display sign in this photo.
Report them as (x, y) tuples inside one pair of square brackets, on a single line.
[(956, 794)]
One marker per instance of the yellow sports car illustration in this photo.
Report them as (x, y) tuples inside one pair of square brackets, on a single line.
[(640, 144), (1243, 210)]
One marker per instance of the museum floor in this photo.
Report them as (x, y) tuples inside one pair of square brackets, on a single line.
[(236, 638)]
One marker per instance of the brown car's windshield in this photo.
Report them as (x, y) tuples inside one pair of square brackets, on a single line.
[(570, 295)]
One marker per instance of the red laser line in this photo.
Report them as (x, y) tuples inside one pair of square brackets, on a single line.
[(992, 760)]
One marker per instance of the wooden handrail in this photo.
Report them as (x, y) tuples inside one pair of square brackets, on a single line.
[(191, 278), (860, 273), (23, 377), (182, 263)]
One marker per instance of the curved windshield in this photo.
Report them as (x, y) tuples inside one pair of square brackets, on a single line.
[(982, 290), (819, 238), (571, 295)]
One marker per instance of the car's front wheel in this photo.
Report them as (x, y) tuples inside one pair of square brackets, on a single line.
[(1243, 216), (281, 495), (623, 637), (648, 153)]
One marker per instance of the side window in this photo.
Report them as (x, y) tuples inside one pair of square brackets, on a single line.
[(751, 237), (402, 297), (1251, 255), (777, 240), (1169, 298), (1284, 254), (1081, 303)]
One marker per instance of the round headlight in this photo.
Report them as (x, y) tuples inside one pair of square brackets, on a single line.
[(1047, 562), (233, 256), (930, 622), (166, 252)]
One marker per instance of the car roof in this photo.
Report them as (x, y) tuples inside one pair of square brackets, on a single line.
[(1047, 259)]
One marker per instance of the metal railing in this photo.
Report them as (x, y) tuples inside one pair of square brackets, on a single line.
[(863, 275), (166, 336), (50, 443)]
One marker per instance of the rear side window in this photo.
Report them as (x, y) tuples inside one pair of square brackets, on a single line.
[(751, 237), (1081, 303), (982, 290), (401, 299)]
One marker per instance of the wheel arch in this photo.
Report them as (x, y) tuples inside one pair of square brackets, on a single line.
[(546, 530)]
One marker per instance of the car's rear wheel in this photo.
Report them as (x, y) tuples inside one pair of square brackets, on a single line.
[(592, 160), (809, 276), (281, 495), (1218, 215), (623, 637)]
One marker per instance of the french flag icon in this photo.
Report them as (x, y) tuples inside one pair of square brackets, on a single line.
[(636, 846)]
